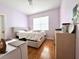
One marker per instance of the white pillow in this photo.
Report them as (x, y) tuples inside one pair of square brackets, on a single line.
[(21, 31)]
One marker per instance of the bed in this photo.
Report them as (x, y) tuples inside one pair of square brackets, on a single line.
[(34, 38)]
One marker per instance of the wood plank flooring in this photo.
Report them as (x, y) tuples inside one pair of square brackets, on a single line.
[(46, 51)]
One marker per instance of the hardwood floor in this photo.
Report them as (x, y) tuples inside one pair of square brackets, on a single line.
[(46, 51)]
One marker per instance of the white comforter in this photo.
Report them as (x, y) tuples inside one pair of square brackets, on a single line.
[(31, 35)]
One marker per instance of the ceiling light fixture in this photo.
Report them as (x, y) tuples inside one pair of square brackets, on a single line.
[(30, 2)]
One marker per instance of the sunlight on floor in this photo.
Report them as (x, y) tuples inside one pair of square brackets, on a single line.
[(45, 53)]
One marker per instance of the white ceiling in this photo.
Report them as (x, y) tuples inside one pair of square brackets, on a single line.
[(37, 5)]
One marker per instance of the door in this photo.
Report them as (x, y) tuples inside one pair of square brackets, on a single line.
[(2, 33)]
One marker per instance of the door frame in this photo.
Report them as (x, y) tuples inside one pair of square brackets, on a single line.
[(5, 18)]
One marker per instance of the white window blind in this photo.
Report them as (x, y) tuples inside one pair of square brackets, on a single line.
[(41, 23)]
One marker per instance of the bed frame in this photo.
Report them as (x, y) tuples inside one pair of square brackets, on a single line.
[(36, 44)]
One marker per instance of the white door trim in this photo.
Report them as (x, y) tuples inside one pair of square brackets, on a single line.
[(5, 18)]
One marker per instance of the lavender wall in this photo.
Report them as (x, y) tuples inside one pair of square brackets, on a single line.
[(14, 19), (54, 20), (66, 11)]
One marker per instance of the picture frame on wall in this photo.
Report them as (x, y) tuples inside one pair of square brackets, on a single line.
[(75, 10), (75, 14)]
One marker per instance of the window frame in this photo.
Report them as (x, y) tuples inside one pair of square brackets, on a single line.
[(38, 18)]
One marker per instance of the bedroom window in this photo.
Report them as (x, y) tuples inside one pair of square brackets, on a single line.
[(41, 23)]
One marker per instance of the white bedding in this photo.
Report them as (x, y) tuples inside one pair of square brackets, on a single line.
[(31, 35)]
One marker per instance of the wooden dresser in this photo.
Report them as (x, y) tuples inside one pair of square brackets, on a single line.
[(64, 45)]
